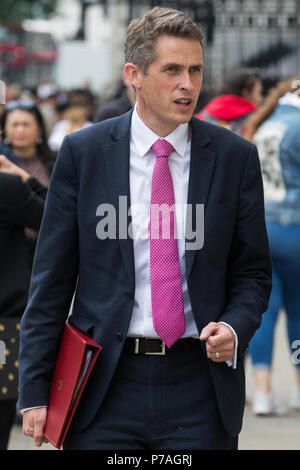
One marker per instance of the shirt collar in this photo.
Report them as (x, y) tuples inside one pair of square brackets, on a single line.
[(143, 137)]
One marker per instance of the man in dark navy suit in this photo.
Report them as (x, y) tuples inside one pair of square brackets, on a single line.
[(174, 313)]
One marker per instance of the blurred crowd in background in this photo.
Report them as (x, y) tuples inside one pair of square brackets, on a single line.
[(33, 123), (239, 105)]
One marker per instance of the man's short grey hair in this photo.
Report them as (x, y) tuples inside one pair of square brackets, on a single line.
[(143, 32)]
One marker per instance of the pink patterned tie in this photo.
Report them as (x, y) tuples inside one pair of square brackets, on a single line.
[(166, 288)]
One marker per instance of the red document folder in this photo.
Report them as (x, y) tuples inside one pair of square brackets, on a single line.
[(76, 358)]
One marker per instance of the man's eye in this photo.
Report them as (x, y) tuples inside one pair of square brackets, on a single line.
[(195, 69)]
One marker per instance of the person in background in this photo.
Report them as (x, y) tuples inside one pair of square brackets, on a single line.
[(13, 91), (117, 106), (21, 205), (82, 97), (23, 131), (264, 111), (278, 142), (74, 118), (46, 94), (240, 96)]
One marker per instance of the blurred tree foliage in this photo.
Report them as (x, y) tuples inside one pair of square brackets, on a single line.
[(13, 12)]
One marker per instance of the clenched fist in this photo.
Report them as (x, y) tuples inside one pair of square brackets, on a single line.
[(220, 342), (33, 424)]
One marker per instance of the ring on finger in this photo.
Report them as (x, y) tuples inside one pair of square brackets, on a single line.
[(217, 355)]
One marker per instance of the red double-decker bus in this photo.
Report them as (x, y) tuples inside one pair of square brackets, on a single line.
[(26, 57), (12, 52)]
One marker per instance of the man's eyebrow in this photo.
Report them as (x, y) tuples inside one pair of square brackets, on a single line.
[(174, 64), (200, 65)]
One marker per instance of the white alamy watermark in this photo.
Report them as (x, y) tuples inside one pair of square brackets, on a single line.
[(296, 353), (114, 224), (2, 352), (296, 87), (2, 92)]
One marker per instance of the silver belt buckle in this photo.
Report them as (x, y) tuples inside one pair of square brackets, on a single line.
[(160, 353)]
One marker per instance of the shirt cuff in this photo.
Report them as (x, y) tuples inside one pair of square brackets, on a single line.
[(233, 362), (32, 408)]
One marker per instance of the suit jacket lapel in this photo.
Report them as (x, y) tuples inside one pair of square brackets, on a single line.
[(117, 168), (201, 171)]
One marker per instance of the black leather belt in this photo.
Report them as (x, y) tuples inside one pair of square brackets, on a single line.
[(157, 347)]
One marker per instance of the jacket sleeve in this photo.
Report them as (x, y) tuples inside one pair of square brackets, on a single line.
[(28, 208), (53, 281), (249, 274)]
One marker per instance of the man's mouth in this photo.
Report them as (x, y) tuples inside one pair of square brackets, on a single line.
[(185, 102)]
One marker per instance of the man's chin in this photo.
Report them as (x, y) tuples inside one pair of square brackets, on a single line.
[(183, 116), (183, 119)]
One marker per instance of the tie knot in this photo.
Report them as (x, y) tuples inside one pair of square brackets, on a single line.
[(162, 148)]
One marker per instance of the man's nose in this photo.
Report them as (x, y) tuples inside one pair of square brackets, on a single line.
[(186, 82)]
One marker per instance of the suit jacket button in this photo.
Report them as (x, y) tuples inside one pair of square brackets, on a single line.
[(119, 336), (129, 295)]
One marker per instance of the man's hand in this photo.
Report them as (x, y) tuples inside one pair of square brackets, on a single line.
[(9, 167), (219, 342), (33, 424)]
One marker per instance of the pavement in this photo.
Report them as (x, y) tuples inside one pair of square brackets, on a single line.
[(258, 433)]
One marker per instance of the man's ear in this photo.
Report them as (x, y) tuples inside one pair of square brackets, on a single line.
[(133, 74)]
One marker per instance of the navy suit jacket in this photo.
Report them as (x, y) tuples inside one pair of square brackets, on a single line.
[(229, 278)]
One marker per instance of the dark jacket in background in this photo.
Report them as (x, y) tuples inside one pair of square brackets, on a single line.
[(21, 205), (7, 151), (113, 108)]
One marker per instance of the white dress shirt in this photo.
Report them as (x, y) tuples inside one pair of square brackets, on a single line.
[(142, 161)]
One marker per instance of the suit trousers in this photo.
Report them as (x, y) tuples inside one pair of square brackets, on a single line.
[(157, 403)]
